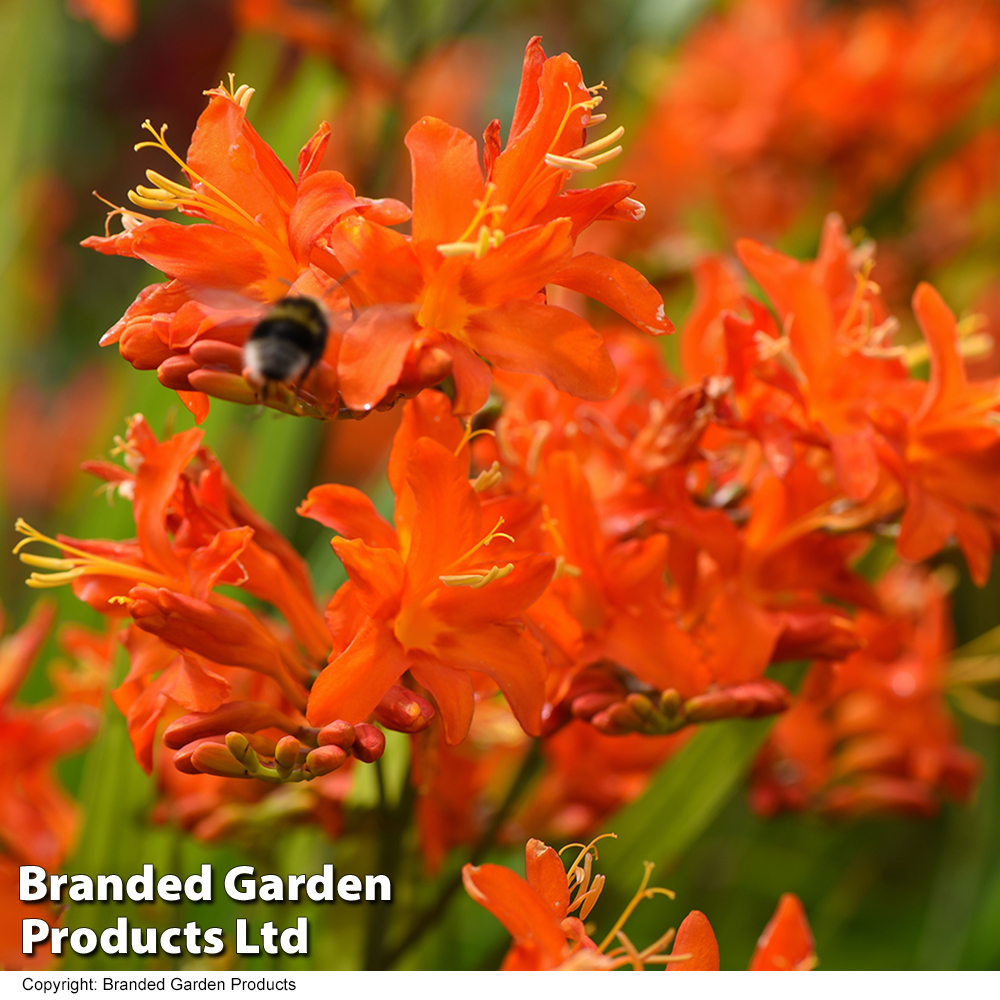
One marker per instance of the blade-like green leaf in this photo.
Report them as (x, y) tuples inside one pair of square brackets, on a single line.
[(680, 802)]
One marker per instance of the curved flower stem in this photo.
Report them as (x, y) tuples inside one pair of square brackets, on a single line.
[(428, 918), (393, 823)]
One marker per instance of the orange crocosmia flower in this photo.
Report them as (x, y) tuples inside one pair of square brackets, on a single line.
[(786, 944), (535, 910), (468, 283), (39, 822), (952, 452), (263, 238), (872, 733), (427, 599), (839, 337), (193, 531)]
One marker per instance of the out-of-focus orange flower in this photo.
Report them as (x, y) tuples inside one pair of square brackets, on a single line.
[(787, 942), (468, 284), (872, 732), (335, 34), (43, 436), (773, 103), (39, 822), (952, 451), (263, 238), (115, 19), (426, 598), (589, 775)]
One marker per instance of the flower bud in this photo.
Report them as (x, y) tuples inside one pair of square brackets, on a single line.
[(325, 759), (369, 743), (286, 754), (402, 710), (586, 706), (239, 746), (239, 716), (182, 759), (748, 701), (214, 758), (338, 733)]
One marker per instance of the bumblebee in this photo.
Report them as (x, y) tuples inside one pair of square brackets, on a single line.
[(287, 343)]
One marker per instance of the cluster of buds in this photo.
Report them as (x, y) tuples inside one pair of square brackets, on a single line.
[(606, 697), (210, 743)]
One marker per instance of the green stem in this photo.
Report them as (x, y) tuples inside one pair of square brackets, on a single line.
[(428, 918)]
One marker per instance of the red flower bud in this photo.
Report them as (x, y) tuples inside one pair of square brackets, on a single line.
[(338, 733), (369, 743), (325, 759), (402, 710)]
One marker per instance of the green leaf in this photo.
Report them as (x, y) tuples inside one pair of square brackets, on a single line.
[(681, 801)]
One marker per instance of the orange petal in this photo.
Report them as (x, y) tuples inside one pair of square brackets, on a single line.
[(427, 415), (619, 287), (505, 598), (528, 92), (18, 651), (948, 383), (787, 942), (200, 255), (509, 656), (525, 183), (209, 562), (472, 378), (447, 518), (583, 206), (789, 285), (717, 287), (377, 575), (452, 690), (349, 512), (524, 336), (524, 263), (228, 153), (372, 354), (311, 154), (322, 199), (546, 875), (696, 938), (155, 483), (354, 682), (382, 264), (447, 180), (524, 913)]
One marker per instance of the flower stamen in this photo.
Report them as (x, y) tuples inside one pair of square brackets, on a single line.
[(80, 563)]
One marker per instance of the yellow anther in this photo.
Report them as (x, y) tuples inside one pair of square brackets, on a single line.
[(564, 568), (487, 479), (568, 163), (598, 144), (476, 581), (78, 563)]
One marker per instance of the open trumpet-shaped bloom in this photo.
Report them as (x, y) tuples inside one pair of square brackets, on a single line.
[(469, 282), (440, 596), (262, 238)]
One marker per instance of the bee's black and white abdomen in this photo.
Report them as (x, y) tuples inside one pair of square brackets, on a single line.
[(286, 344)]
